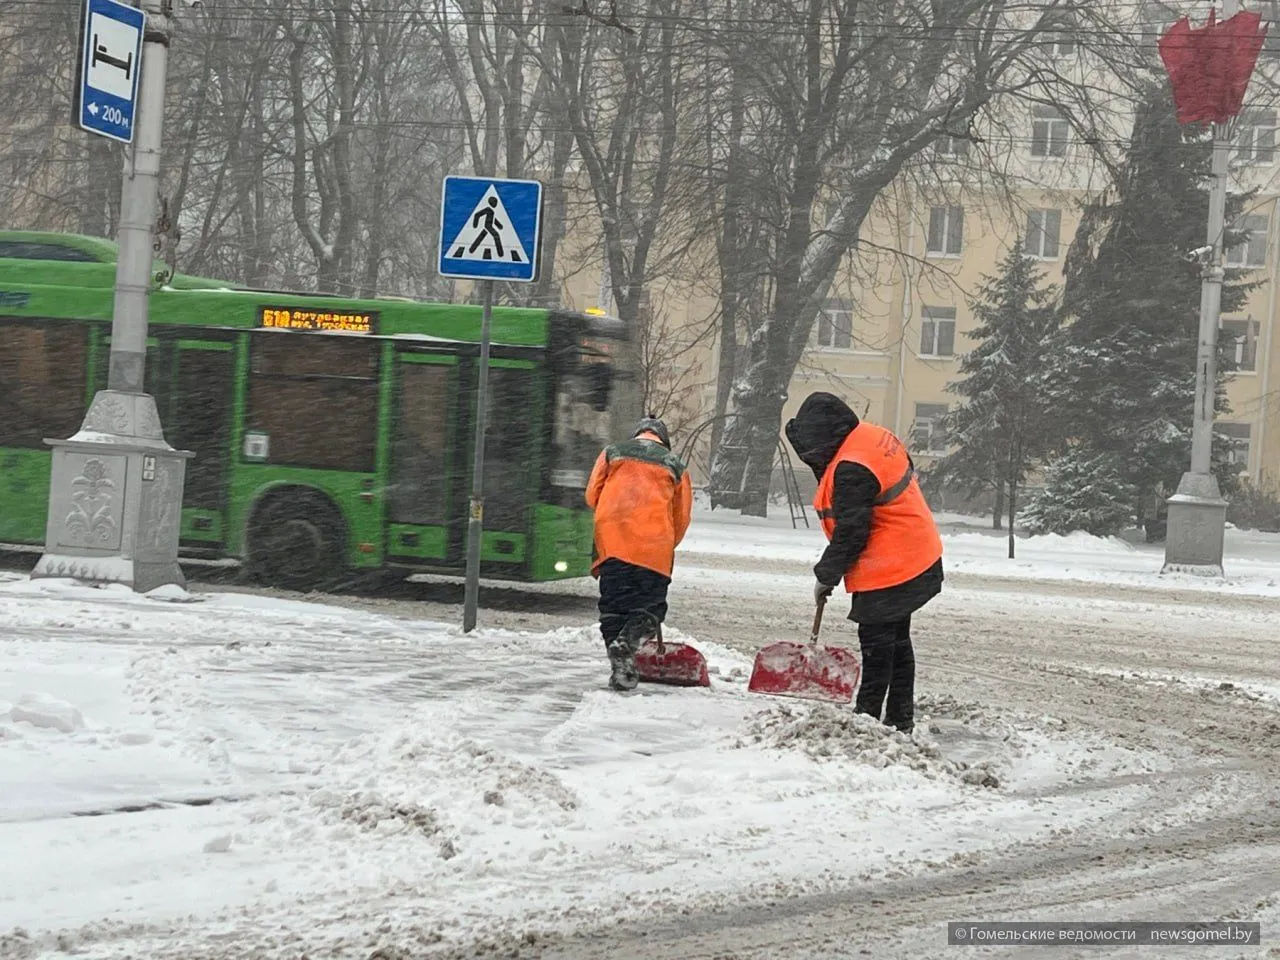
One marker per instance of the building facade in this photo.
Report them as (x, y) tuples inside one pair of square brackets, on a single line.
[(896, 325)]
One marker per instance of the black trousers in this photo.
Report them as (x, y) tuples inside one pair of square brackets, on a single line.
[(625, 588), (888, 672)]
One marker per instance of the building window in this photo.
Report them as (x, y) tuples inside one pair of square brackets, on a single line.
[(938, 332), (1237, 436), (1044, 229), (1050, 132), (1240, 345), (946, 231), (1256, 137), (1252, 250), (949, 145), (1270, 11), (927, 435), (1062, 47), (835, 325)]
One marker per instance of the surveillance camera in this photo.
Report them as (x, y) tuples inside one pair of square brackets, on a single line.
[(1200, 253)]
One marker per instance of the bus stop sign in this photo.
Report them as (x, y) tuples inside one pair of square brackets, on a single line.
[(110, 60), (490, 229)]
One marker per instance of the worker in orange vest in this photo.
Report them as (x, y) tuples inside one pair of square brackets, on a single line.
[(642, 497), (883, 543)]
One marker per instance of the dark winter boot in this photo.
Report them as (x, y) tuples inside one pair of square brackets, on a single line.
[(623, 661), (640, 626)]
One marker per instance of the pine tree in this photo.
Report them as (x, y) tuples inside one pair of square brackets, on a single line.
[(999, 429), (1081, 493), (1123, 376)]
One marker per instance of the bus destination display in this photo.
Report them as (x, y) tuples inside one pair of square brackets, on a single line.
[(305, 318)]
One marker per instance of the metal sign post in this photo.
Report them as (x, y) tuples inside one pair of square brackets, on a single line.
[(489, 230), (475, 520)]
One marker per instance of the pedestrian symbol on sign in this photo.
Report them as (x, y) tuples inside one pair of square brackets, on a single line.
[(488, 234)]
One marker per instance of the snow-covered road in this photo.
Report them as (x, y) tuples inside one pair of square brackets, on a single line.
[(274, 778)]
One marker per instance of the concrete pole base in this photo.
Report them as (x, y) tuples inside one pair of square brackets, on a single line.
[(115, 498), (1197, 526)]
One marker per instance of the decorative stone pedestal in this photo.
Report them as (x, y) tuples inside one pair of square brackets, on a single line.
[(1197, 526), (115, 498)]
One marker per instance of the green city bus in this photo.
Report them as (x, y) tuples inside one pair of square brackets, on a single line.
[(331, 435)]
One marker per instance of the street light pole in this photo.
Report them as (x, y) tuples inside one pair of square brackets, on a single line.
[(1197, 512), (115, 489), (135, 238), (475, 523)]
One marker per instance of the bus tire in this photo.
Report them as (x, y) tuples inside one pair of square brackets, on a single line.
[(297, 542)]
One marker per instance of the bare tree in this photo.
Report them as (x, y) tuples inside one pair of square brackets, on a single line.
[(626, 94), (854, 92), (50, 177)]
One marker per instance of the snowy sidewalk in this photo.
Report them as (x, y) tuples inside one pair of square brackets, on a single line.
[(1252, 561), (370, 774)]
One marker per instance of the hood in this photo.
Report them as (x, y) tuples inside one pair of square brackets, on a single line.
[(819, 428), (654, 428)]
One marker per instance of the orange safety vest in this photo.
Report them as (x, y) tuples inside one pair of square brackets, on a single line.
[(904, 540), (642, 497)]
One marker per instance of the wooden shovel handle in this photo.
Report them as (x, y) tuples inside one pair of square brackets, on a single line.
[(817, 620)]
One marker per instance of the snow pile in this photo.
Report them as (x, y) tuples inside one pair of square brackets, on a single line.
[(953, 742), (42, 710), (824, 732), (369, 811), (1042, 546)]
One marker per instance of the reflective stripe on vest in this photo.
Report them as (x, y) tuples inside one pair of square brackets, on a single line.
[(897, 490), (885, 498)]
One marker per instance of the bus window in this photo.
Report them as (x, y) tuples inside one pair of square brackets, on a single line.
[(420, 461), (582, 429), (508, 448), (316, 398), (42, 371), (16, 250)]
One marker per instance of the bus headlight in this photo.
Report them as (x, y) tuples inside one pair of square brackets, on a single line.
[(561, 566)]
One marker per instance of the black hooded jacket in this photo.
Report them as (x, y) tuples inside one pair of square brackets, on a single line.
[(816, 434)]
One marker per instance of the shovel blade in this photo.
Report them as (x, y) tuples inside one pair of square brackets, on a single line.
[(676, 664), (806, 671)]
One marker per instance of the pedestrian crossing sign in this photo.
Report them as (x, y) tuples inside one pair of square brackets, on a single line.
[(490, 229)]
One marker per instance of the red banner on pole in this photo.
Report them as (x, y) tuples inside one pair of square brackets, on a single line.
[(1209, 67)]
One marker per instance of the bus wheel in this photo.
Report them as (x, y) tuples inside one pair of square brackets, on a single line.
[(296, 544)]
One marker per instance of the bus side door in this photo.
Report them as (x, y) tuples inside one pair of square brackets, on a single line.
[(512, 462), (200, 389), (426, 481)]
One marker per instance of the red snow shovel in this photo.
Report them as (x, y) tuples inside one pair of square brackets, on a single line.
[(676, 664), (806, 670)]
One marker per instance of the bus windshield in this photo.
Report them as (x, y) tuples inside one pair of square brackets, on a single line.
[(584, 423), (589, 403)]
